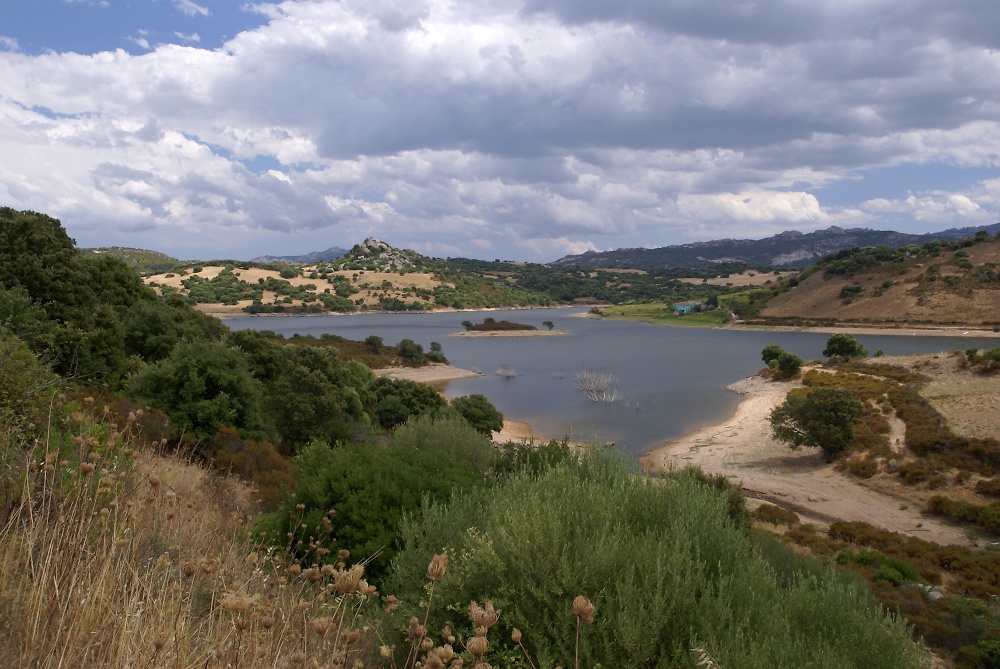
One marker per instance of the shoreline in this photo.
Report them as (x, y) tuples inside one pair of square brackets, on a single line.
[(743, 449), (901, 330)]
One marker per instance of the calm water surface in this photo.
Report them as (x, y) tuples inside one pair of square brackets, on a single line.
[(671, 380)]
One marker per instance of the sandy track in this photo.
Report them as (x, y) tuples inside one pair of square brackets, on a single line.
[(743, 449)]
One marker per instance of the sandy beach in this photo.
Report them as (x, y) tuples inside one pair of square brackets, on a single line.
[(743, 449), (904, 331), (433, 373)]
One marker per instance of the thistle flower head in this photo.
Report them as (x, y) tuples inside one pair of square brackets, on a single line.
[(347, 581), (483, 616), (477, 645), (437, 568), (583, 609)]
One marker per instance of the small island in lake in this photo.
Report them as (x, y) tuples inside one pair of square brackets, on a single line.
[(494, 328)]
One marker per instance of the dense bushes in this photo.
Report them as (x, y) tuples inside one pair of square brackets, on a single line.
[(353, 496), (480, 413), (986, 517), (661, 561)]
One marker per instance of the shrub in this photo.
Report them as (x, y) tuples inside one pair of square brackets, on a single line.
[(662, 563), (775, 515), (988, 487), (448, 434), (517, 457), (480, 413), (353, 497)]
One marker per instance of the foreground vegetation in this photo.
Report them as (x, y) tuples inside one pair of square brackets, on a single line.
[(172, 494)]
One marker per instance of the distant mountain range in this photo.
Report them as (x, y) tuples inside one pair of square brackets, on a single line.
[(792, 249), (331, 253)]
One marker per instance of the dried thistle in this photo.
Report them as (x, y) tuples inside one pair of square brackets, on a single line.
[(347, 581), (704, 659), (477, 645), (583, 609), (483, 616), (320, 626), (416, 630), (437, 568)]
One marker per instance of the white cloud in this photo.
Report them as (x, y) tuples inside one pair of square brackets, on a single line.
[(510, 126), (8, 44), (193, 38), (943, 208), (191, 8), (758, 206)]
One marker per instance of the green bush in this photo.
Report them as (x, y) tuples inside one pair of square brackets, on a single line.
[(480, 413), (530, 458), (353, 497), (662, 562), (451, 435), (775, 515)]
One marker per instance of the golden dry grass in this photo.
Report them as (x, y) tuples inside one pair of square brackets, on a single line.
[(741, 279), (124, 559)]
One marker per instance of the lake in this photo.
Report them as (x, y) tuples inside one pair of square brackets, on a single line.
[(671, 380)]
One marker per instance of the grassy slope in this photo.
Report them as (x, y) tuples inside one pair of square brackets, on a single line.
[(956, 295)]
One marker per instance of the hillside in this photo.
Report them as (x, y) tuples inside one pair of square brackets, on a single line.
[(331, 253), (372, 275), (941, 284), (791, 249), (145, 262)]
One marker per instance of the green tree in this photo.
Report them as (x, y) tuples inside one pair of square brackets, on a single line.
[(820, 417), (788, 365), (844, 346), (315, 395), (393, 401), (411, 352), (548, 324), (770, 354), (480, 413), (204, 387)]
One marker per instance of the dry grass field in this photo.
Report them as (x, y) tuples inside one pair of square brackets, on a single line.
[(741, 279), (370, 285), (901, 292)]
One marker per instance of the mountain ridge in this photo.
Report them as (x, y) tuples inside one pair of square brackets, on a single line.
[(790, 249)]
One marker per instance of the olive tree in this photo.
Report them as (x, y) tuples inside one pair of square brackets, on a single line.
[(820, 417), (844, 346)]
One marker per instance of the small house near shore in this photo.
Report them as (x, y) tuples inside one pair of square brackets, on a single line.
[(688, 307)]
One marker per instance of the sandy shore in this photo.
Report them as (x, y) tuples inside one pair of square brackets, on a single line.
[(743, 449), (433, 373), (929, 331)]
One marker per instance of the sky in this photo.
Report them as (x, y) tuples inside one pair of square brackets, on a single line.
[(511, 129)]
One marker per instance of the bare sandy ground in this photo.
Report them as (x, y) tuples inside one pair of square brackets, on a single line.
[(432, 373), (743, 449), (905, 331)]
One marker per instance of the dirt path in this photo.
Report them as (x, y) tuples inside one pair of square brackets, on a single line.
[(743, 449)]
